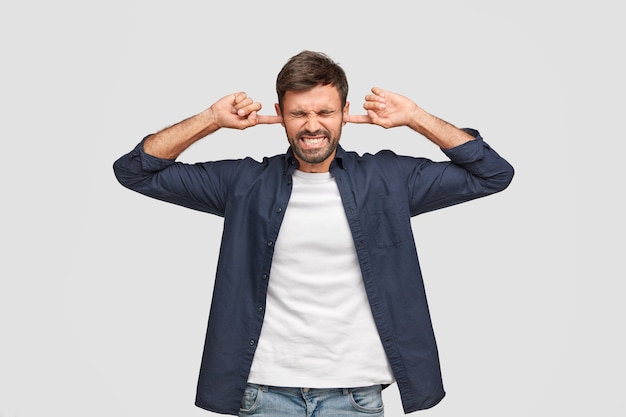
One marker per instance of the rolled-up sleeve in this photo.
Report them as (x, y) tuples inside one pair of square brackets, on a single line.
[(474, 170), (200, 186)]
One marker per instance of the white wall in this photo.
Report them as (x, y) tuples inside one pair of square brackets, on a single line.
[(104, 293)]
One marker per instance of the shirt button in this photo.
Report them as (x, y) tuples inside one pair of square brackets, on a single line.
[(279, 209), (260, 309), (270, 243), (264, 276), (251, 342)]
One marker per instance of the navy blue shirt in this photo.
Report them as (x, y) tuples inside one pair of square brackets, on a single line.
[(380, 193)]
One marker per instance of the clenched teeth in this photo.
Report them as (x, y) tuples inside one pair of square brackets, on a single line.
[(314, 141)]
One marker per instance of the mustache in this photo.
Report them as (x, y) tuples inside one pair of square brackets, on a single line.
[(318, 132)]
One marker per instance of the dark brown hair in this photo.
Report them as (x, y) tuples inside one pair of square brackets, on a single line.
[(307, 70)]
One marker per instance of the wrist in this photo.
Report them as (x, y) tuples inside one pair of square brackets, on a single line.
[(209, 119), (419, 120)]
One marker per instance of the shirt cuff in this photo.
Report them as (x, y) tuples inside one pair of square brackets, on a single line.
[(151, 163), (469, 151)]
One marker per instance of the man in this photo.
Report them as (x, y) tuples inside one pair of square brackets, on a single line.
[(318, 299)]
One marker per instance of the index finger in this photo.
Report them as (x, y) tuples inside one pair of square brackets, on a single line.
[(268, 120), (357, 118)]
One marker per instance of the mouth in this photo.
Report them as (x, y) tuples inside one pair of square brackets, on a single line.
[(312, 142)]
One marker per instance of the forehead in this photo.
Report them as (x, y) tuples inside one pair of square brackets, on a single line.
[(318, 97)]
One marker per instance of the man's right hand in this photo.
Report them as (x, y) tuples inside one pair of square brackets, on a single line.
[(235, 111), (238, 111)]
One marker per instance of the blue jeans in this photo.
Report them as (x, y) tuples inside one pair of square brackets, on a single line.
[(267, 401)]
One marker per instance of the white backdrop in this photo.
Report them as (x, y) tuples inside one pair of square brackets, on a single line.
[(104, 294)]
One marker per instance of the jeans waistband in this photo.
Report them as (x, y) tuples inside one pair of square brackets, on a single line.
[(305, 390)]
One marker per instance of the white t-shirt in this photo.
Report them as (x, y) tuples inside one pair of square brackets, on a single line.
[(318, 330)]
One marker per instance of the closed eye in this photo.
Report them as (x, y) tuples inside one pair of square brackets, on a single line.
[(321, 113)]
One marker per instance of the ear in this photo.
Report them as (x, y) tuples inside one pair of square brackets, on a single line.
[(346, 112), (277, 108)]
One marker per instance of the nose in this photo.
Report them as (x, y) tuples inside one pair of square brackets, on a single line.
[(312, 123)]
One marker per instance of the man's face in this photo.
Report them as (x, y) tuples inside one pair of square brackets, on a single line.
[(313, 120)]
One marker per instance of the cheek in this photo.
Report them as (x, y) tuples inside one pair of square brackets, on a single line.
[(334, 127), (292, 129)]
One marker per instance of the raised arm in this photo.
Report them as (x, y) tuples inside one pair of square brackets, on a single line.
[(388, 110), (235, 111), (474, 170), (151, 169)]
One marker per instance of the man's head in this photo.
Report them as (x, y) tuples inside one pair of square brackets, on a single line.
[(312, 100), (307, 70)]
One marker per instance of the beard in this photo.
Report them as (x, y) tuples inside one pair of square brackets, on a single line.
[(318, 154)]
